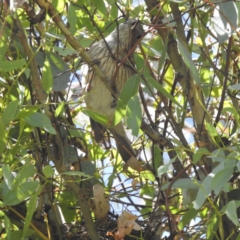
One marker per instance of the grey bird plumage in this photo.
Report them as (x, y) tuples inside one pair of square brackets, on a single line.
[(97, 96)]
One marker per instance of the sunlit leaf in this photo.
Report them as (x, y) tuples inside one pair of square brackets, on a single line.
[(98, 117), (30, 211), (231, 211), (147, 175), (6, 171), (19, 193), (75, 173), (212, 226), (134, 115), (47, 78), (130, 89)]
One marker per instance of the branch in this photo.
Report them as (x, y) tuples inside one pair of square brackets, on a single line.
[(156, 136), (61, 168), (192, 90), (74, 43)]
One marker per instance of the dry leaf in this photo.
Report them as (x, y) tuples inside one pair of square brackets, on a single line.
[(134, 184), (126, 222), (101, 204), (134, 164)]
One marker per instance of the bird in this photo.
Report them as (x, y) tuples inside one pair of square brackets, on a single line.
[(110, 52)]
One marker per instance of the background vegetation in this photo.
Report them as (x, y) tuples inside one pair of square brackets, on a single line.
[(181, 112)]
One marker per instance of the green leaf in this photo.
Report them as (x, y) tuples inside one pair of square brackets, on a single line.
[(59, 5), (6, 171), (114, 11), (19, 193), (100, 5), (31, 207), (27, 171), (234, 87), (164, 168), (47, 78), (130, 89), (218, 155), (98, 117), (147, 191), (160, 88), (203, 192), (184, 183), (212, 226), (26, 112), (40, 120), (211, 130), (199, 153), (6, 66), (231, 212), (157, 157), (72, 18), (147, 175), (225, 19), (221, 178), (2, 137), (187, 217), (238, 237), (75, 173), (48, 171), (47, 125), (134, 115), (183, 49), (8, 227), (232, 110), (59, 109), (60, 73), (10, 112)]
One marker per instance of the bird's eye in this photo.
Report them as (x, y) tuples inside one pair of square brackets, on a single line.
[(133, 23)]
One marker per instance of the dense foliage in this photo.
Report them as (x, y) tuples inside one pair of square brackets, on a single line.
[(180, 110)]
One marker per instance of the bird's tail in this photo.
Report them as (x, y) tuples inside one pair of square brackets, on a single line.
[(123, 144)]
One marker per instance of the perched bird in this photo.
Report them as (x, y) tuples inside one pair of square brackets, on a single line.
[(116, 49)]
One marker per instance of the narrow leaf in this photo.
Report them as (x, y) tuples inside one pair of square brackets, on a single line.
[(7, 175), (231, 212), (187, 217), (31, 207), (2, 137), (203, 192), (47, 78), (98, 117), (10, 112), (160, 88), (130, 89), (6, 66), (188, 60), (134, 115)]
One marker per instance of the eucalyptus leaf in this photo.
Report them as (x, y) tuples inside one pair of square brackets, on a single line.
[(7, 66), (225, 19)]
